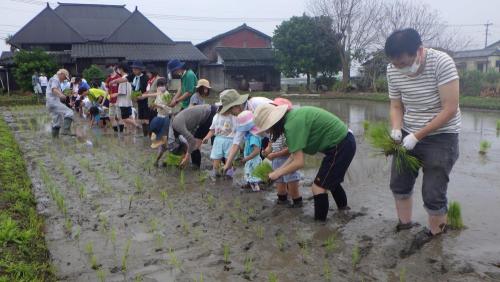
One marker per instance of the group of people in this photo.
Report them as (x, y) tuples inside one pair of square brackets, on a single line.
[(39, 83), (424, 111)]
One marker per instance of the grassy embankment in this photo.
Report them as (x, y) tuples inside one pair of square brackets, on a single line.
[(23, 251)]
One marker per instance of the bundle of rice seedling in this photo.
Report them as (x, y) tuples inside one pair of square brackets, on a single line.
[(167, 98), (136, 94), (379, 137), (67, 92), (262, 171), (455, 216), (173, 159), (484, 146)]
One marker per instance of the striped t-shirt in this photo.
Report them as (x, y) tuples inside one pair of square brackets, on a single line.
[(420, 94)]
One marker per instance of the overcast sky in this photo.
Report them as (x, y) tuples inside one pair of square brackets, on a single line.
[(260, 14)]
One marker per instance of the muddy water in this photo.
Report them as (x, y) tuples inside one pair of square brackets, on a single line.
[(181, 236)]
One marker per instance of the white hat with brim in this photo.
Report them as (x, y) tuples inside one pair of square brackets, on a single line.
[(230, 98), (63, 72), (267, 115)]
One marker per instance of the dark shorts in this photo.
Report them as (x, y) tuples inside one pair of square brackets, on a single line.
[(335, 163), (126, 112), (143, 109), (204, 128), (438, 154)]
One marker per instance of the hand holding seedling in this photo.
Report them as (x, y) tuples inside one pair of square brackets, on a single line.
[(410, 141), (396, 135)]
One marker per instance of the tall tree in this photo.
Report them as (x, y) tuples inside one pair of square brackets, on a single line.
[(28, 62), (307, 45), (355, 21)]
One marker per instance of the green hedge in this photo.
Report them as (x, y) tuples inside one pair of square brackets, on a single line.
[(474, 83), (20, 100), (23, 251)]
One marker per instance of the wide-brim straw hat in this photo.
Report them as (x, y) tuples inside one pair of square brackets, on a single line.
[(267, 115), (63, 72), (204, 83), (230, 98)]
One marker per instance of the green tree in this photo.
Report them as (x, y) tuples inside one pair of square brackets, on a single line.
[(29, 62), (94, 74), (307, 45)]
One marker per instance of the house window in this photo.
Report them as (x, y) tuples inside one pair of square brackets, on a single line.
[(498, 65), (480, 67)]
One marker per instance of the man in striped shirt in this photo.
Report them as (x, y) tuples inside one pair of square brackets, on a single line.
[(425, 117)]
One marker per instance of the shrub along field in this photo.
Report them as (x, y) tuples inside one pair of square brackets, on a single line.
[(23, 252)]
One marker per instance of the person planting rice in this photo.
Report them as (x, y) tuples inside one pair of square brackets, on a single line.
[(309, 130), (202, 92), (425, 117), (223, 128), (62, 116), (124, 99), (251, 151), (193, 124), (114, 109), (234, 103), (277, 152), (188, 83)]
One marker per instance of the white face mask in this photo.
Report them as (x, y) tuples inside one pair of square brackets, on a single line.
[(411, 70), (161, 89)]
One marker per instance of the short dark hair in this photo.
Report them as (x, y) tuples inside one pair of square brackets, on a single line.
[(123, 66), (161, 81), (404, 41)]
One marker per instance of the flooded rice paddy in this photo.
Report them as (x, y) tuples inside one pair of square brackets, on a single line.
[(111, 215)]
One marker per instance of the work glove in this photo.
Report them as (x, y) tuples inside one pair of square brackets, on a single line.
[(410, 141), (396, 135)]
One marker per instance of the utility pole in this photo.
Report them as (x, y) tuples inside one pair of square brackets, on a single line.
[(487, 25)]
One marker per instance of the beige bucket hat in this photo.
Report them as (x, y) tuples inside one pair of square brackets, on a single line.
[(267, 115), (230, 98), (203, 82), (63, 72)]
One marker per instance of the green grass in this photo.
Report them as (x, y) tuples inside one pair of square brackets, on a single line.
[(23, 252), (262, 171), (484, 146), (455, 215), (379, 137), (20, 100)]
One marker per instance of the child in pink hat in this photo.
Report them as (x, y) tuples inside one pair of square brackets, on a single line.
[(253, 144)]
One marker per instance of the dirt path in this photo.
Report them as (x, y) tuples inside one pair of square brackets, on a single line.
[(115, 200)]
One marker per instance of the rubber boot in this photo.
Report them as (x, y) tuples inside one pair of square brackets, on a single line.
[(55, 132), (145, 130), (67, 127), (321, 206)]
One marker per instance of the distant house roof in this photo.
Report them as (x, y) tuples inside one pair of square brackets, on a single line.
[(246, 56), (476, 53), (79, 23), (150, 52), (494, 45), (232, 31)]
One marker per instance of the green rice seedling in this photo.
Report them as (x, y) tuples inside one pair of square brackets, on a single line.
[(234, 216), (93, 262), (158, 241), (173, 160), (139, 186), (68, 225), (200, 279), (262, 171), (484, 146), (184, 225), (82, 192), (259, 231), (126, 254), (174, 261), (202, 177), (164, 197), (248, 265), (402, 275), (244, 218), (112, 235), (356, 256), (101, 275), (251, 212), (330, 244), (170, 206), (327, 273), (135, 95), (130, 199), (103, 220), (455, 215), (89, 248), (138, 278), (211, 201), (78, 232), (379, 137), (227, 252), (366, 125), (498, 124), (153, 225), (182, 180), (272, 277), (237, 203), (280, 241)]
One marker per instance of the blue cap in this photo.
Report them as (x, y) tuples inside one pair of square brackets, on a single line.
[(174, 65)]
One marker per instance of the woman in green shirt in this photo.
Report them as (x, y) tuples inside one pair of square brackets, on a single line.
[(309, 130)]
